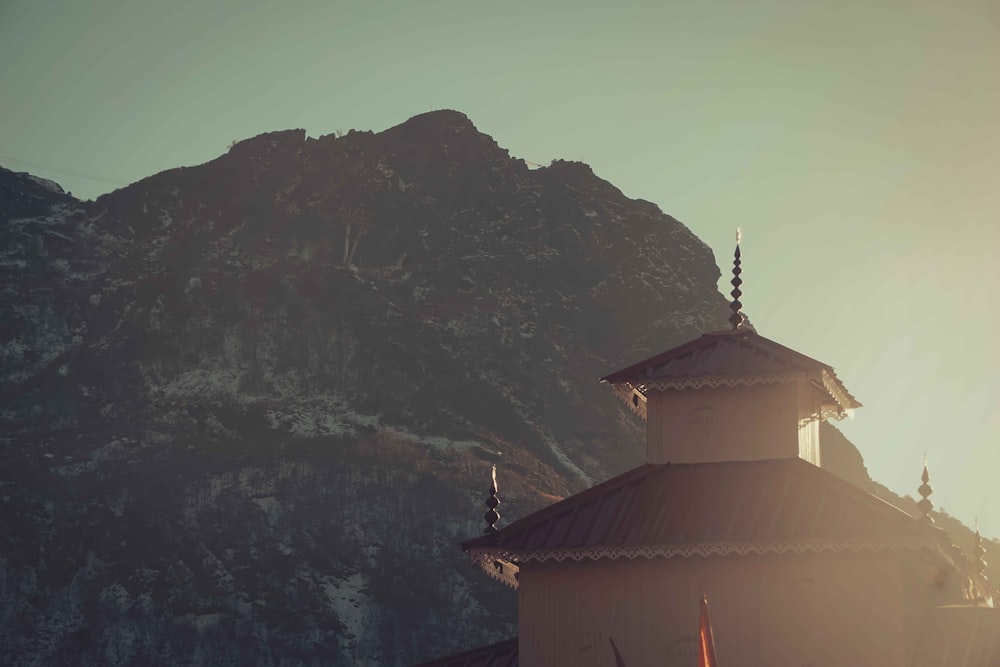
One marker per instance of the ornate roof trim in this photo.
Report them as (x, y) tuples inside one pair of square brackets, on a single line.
[(488, 559), (634, 396), (714, 381)]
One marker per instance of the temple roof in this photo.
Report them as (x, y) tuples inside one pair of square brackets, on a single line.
[(762, 506), (728, 352), (501, 654), (730, 357)]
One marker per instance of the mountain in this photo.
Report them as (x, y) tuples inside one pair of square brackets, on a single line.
[(250, 407)]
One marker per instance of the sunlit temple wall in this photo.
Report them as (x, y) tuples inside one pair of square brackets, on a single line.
[(822, 609)]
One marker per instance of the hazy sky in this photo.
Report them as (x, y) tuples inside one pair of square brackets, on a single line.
[(857, 143)]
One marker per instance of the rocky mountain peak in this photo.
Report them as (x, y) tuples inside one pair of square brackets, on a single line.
[(434, 125), (23, 194), (269, 143)]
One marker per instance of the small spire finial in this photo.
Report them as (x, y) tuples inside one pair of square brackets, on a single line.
[(979, 552), (737, 318), (924, 505), (492, 516)]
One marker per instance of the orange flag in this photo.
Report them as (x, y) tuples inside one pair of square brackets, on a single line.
[(706, 643)]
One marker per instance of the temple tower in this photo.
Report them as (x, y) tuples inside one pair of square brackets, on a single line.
[(732, 395)]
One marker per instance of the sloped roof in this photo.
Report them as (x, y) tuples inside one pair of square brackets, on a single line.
[(731, 354), (701, 508), (501, 654)]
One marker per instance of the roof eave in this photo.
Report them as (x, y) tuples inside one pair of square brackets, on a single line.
[(490, 559)]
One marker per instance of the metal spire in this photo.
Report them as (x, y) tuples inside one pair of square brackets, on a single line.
[(737, 318), (492, 516), (925, 490), (979, 553)]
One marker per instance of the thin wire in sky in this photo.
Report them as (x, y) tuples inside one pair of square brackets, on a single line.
[(63, 172)]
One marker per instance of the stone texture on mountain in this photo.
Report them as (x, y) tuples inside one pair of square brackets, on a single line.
[(249, 408)]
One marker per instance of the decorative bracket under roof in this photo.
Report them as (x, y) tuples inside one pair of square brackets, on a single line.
[(499, 568)]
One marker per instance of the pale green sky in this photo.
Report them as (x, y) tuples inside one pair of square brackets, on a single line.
[(855, 142)]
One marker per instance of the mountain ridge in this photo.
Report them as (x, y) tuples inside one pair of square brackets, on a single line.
[(250, 406)]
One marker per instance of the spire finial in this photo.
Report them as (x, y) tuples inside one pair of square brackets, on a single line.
[(737, 318), (979, 552), (492, 516), (924, 505)]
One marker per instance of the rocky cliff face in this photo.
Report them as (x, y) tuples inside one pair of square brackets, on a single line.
[(249, 408)]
